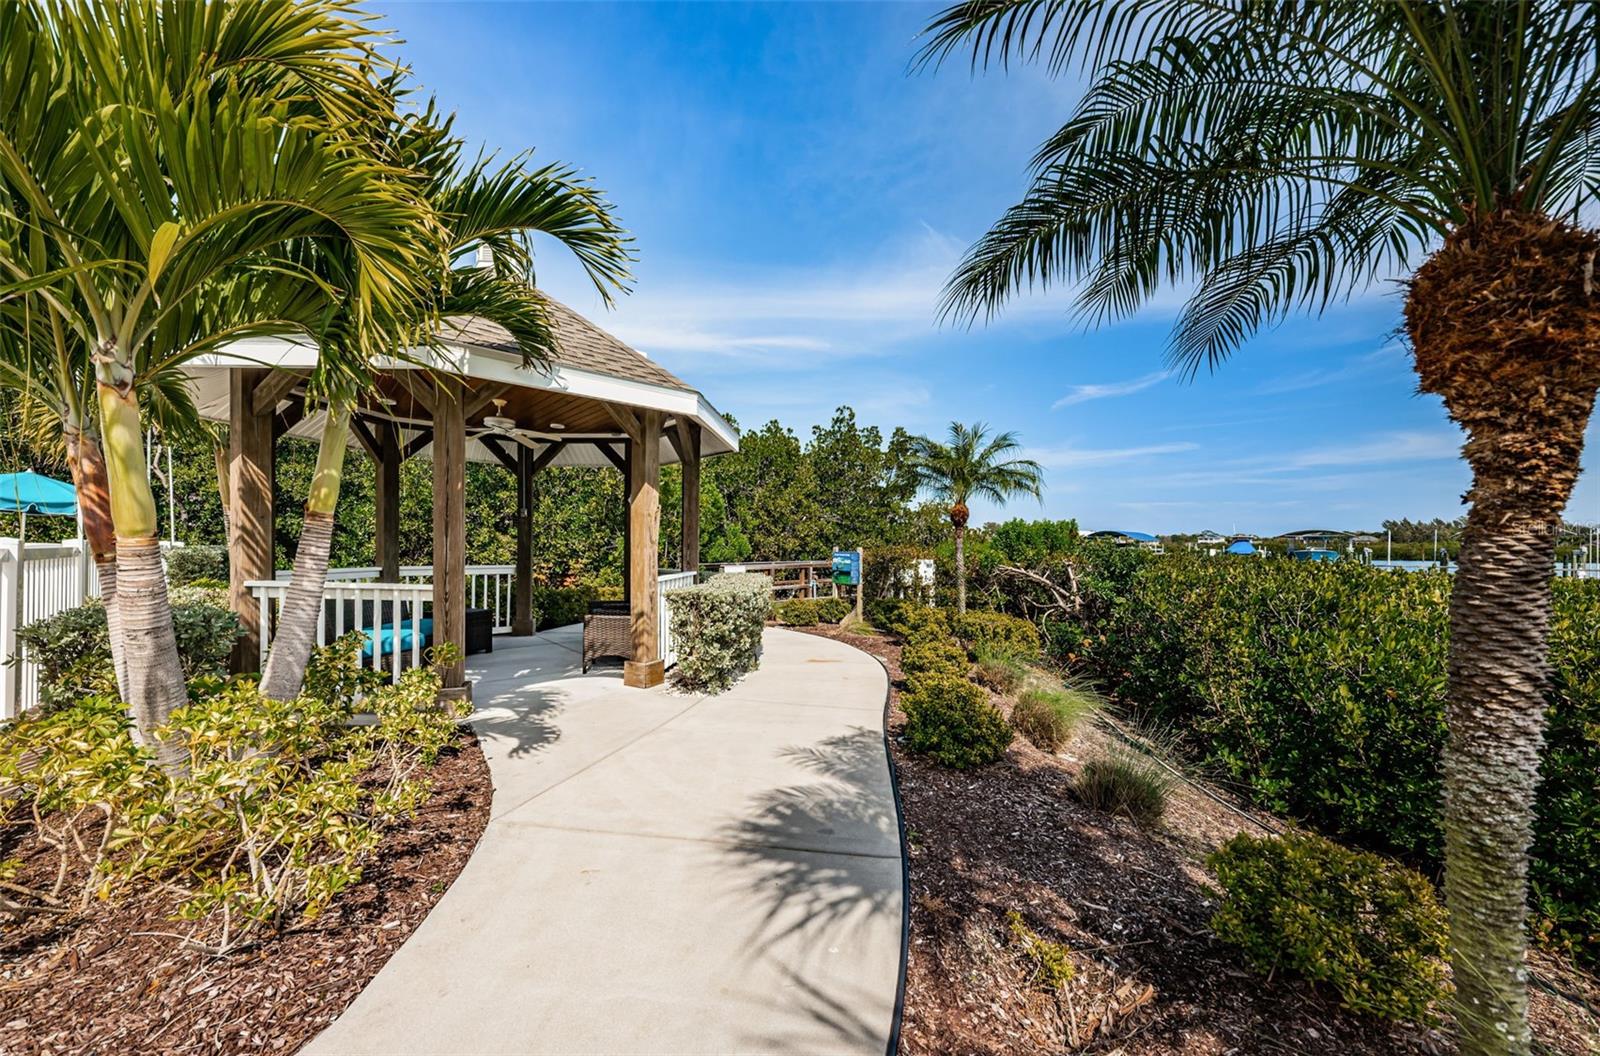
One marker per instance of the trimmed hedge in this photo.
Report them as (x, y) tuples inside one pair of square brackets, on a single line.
[(909, 620), (1321, 688), (796, 612), (833, 610), (951, 720), (185, 564), (1367, 927), (717, 626), (73, 647), (929, 658)]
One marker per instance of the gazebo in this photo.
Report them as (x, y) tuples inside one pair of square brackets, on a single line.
[(598, 403)]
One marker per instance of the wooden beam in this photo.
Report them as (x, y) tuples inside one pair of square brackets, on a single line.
[(250, 480), (644, 667), (450, 534), (687, 441), (522, 576), (548, 455), (365, 437), (273, 388), (626, 419), (617, 459), (417, 443), (482, 398), (386, 498), (417, 388), (499, 452)]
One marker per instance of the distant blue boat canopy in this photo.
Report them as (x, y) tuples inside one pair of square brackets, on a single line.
[(1242, 546), (1138, 537), (31, 492)]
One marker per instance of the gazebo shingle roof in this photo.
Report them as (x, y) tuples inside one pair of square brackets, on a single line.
[(579, 344)]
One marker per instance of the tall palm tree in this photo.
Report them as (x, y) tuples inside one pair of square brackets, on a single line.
[(1279, 156), (156, 156), (481, 204), (972, 465)]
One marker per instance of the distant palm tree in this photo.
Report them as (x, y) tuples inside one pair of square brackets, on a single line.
[(1281, 155), (972, 465)]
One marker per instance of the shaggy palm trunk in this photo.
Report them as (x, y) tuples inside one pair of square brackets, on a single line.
[(154, 682), (88, 465), (302, 604), (1503, 325), (958, 518)]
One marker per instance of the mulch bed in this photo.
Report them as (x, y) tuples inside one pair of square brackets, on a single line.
[(1134, 909), (90, 984)]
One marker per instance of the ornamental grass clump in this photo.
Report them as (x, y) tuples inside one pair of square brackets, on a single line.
[(717, 628), (274, 812), (1000, 673), (951, 720), (1048, 717), (1368, 927), (1125, 783)]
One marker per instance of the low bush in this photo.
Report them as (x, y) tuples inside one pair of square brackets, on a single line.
[(1050, 963), (185, 564), (951, 720), (73, 647), (890, 574), (1048, 717), (560, 606), (1368, 927), (1125, 783), (832, 610), (280, 804), (909, 621), (997, 634), (931, 658), (717, 626), (797, 612)]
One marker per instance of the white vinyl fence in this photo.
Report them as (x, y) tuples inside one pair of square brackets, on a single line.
[(670, 581), (50, 578)]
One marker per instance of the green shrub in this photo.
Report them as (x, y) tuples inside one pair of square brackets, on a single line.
[(1050, 962), (1047, 717), (1369, 928), (797, 612), (560, 606), (1320, 689), (185, 564), (717, 627), (274, 815), (909, 621), (889, 574), (833, 610), (997, 634), (925, 659), (1001, 674), (1125, 783), (73, 647), (951, 720)]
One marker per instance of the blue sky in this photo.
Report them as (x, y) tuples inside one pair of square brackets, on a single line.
[(798, 199)]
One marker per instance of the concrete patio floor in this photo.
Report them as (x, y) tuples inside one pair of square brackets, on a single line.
[(661, 873)]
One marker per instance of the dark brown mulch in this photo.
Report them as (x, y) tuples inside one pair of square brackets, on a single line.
[(1132, 906), (92, 985)]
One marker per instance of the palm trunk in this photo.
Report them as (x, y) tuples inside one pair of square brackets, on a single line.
[(302, 605), (1504, 326), (155, 685), (88, 465), (961, 568)]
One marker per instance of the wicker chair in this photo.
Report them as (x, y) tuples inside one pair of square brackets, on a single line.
[(607, 632)]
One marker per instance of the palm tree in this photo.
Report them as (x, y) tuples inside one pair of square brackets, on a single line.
[(500, 208), (154, 158), (972, 465), (1280, 156)]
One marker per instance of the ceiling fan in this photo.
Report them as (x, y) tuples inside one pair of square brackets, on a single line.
[(497, 424)]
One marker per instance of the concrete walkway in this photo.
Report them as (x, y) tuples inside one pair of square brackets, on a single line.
[(661, 873)]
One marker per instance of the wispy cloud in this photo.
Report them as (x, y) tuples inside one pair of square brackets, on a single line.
[(1078, 457), (1388, 357), (1105, 390)]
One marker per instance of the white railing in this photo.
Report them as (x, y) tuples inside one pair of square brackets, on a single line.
[(669, 582), (489, 587), (36, 581), (396, 618)]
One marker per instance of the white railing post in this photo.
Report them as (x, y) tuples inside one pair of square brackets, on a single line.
[(10, 620), (669, 582)]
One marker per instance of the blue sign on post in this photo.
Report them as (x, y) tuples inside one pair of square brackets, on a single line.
[(847, 567)]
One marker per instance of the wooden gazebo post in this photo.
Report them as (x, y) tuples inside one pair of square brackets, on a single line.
[(387, 501), (253, 395), (643, 668), (686, 440), (450, 532)]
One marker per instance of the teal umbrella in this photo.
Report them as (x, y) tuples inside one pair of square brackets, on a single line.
[(30, 492)]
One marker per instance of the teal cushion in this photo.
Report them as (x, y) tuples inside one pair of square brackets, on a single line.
[(385, 637)]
